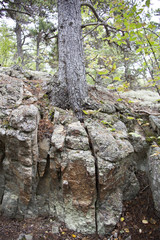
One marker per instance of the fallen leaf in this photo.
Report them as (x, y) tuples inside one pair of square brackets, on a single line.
[(73, 235), (144, 221), (152, 221), (126, 230), (122, 219)]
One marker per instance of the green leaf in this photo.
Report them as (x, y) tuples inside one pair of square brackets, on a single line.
[(134, 134), (101, 72), (119, 99), (107, 123), (114, 67), (117, 79), (88, 112), (139, 50), (148, 3), (131, 118), (111, 129), (85, 112)]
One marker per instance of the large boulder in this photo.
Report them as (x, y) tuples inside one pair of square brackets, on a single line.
[(57, 166)]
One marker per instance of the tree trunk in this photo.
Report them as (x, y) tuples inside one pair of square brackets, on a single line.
[(37, 51), (71, 89), (18, 31)]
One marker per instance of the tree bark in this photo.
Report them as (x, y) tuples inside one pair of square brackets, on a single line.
[(38, 40), (18, 31), (71, 89)]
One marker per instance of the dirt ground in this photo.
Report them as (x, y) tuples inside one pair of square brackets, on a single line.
[(138, 222)]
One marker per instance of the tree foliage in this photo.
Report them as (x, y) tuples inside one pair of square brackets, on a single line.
[(121, 42), (7, 44)]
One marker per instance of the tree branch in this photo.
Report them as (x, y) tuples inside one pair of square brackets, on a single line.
[(152, 32), (97, 25), (96, 15), (93, 10), (13, 10), (48, 38), (100, 21)]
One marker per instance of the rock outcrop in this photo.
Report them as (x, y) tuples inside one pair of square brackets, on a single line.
[(53, 165)]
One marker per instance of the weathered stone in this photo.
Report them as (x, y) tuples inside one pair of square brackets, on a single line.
[(80, 143), (58, 137), (138, 139), (106, 146), (112, 156), (155, 122), (79, 191), (20, 159), (131, 187), (76, 129), (63, 117), (11, 91), (25, 118), (77, 137), (143, 98), (9, 204), (44, 147), (55, 227), (2, 151), (81, 174), (109, 212), (106, 118), (154, 175), (25, 237), (2, 182), (41, 167), (120, 130), (109, 108)]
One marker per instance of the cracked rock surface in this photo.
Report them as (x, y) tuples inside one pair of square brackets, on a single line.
[(53, 165)]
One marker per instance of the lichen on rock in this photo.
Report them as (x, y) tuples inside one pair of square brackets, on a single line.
[(53, 165)]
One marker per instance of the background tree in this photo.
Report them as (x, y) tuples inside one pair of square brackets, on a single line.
[(7, 43), (121, 44)]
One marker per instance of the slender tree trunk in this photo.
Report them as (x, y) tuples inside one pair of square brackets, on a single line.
[(37, 52), (126, 67), (18, 31), (71, 89)]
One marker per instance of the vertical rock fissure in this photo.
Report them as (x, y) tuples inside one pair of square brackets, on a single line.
[(96, 177), (42, 179), (2, 176), (2, 187), (47, 168)]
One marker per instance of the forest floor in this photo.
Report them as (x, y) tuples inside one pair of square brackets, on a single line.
[(138, 222)]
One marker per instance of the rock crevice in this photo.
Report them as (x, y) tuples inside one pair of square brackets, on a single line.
[(79, 173), (91, 145)]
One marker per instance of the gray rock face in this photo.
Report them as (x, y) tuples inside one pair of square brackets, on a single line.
[(110, 211), (11, 92), (155, 122), (25, 237), (154, 175), (77, 172), (24, 118)]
